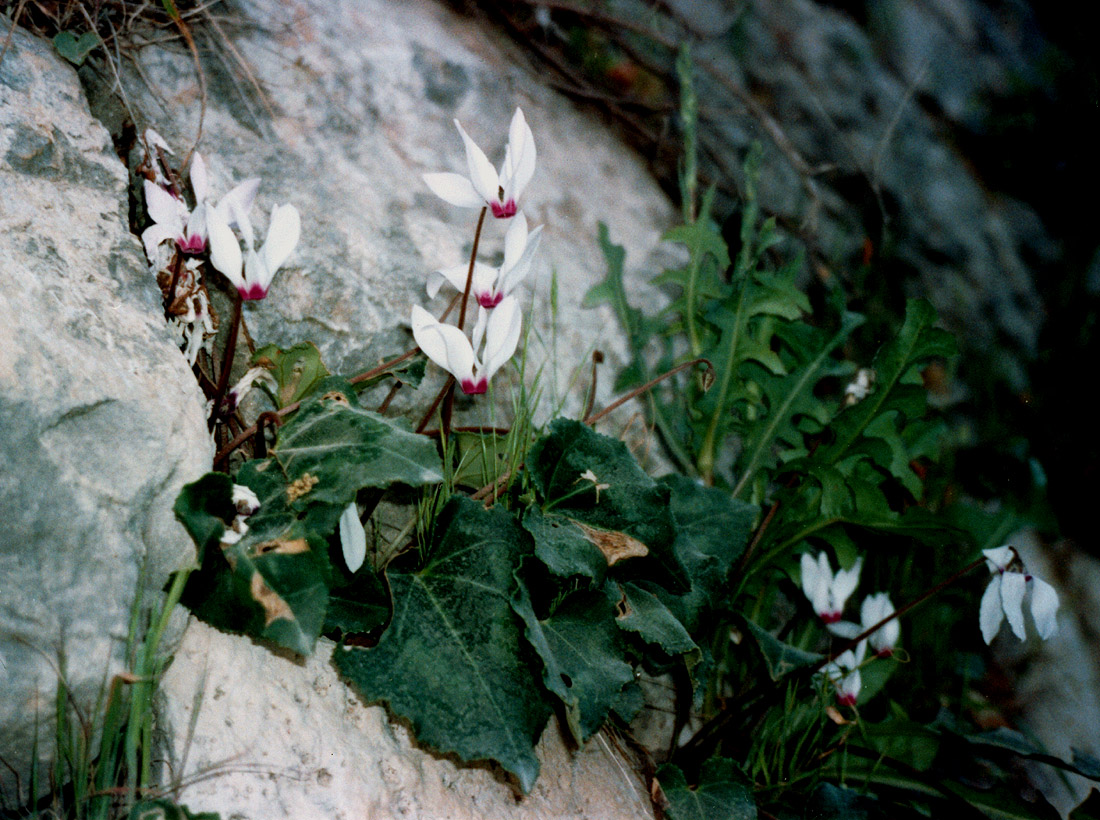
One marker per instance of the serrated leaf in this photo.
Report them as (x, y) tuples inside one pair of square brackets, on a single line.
[(712, 531), (270, 584), (780, 658), (594, 481), (75, 49), (453, 661), (722, 792), (562, 546), (917, 341), (788, 398), (642, 613), (582, 656), (332, 448), (296, 370)]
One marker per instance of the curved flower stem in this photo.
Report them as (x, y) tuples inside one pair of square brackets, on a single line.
[(290, 408), (177, 268), (924, 596), (470, 271), (649, 385), (448, 389), (449, 396), (227, 363)]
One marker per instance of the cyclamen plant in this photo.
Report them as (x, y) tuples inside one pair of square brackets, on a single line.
[(548, 579)]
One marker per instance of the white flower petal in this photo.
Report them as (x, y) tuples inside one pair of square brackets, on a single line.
[(521, 156), (1044, 607), (282, 236), (1013, 589), (152, 236), (515, 240), (999, 558), (502, 335), (844, 629), (990, 612), (445, 345), (483, 176), (455, 189), (844, 584), (510, 277), (200, 182), (225, 250), (163, 208), (241, 197), (353, 538)]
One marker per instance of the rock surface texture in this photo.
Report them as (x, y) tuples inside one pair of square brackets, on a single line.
[(275, 738), (101, 421)]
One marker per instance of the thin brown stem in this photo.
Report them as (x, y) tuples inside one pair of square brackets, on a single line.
[(227, 363), (649, 385), (597, 359), (177, 268), (470, 270), (920, 599), (447, 387), (290, 408)]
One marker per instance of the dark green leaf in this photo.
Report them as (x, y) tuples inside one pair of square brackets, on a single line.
[(582, 656), (453, 661), (594, 481), (205, 508), (75, 49), (563, 547), (1012, 741), (362, 605), (780, 658), (643, 614), (331, 449), (722, 793)]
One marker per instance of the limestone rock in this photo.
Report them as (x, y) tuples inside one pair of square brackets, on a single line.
[(257, 736), (360, 99), (101, 422)]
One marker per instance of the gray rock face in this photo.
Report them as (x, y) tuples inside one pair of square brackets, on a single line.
[(101, 422), (362, 101), (273, 738)]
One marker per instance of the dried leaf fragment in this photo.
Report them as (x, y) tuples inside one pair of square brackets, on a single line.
[(615, 546), (274, 606), (282, 546)]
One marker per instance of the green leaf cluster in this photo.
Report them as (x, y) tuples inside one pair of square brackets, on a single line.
[(275, 581)]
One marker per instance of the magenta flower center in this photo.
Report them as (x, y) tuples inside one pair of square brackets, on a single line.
[(252, 292), (489, 300), (505, 210), (474, 387)]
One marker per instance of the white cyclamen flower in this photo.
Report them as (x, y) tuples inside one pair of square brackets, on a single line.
[(172, 219), (485, 186), (1007, 592), (828, 593), (245, 500), (874, 609), (258, 267), (490, 285), (843, 673), (449, 348)]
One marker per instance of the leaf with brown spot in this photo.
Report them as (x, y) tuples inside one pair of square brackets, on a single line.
[(274, 606), (615, 546)]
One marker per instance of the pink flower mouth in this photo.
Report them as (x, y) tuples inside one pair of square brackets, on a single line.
[(474, 387), (505, 210)]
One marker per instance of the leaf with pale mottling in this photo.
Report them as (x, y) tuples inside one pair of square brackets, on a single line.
[(453, 661)]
